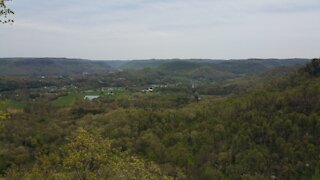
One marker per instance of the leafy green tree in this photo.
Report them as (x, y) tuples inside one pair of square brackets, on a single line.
[(88, 156), (313, 68), (316, 174), (3, 162), (3, 116), (5, 12)]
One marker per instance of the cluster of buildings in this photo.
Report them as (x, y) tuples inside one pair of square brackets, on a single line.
[(150, 90)]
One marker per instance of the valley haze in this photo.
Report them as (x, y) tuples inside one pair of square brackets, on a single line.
[(65, 66)]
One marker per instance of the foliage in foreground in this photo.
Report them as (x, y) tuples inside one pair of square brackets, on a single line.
[(88, 156), (268, 133), (5, 12)]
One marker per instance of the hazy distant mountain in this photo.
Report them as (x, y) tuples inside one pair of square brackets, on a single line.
[(141, 64), (193, 68), (253, 66), (204, 69), (241, 66), (50, 66), (218, 69)]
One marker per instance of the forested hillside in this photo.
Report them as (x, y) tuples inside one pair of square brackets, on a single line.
[(50, 67), (269, 131), (190, 68)]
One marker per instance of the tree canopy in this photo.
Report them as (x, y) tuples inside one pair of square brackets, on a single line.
[(5, 12), (271, 131), (88, 156)]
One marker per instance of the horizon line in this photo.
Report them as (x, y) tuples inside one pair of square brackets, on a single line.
[(148, 59)]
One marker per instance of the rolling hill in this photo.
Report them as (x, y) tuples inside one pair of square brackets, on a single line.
[(224, 69), (50, 66), (190, 68)]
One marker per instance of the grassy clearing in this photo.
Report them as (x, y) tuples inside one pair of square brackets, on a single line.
[(72, 98), (12, 104), (66, 101), (3, 105), (18, 104)]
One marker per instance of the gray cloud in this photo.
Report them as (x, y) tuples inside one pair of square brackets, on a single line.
[(134, 29)]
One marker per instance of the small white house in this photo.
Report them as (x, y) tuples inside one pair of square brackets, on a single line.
[(90, 98), (148, 90)]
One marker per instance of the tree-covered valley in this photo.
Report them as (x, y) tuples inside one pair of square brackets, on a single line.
[(160, 119)]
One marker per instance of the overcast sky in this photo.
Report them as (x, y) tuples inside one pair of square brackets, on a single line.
[(144, 29)]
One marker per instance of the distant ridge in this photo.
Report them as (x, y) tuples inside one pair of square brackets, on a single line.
[(190, 67), (154, 63), (50, 66)]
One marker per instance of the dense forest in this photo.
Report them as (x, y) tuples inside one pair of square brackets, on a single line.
[(171, 120)]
